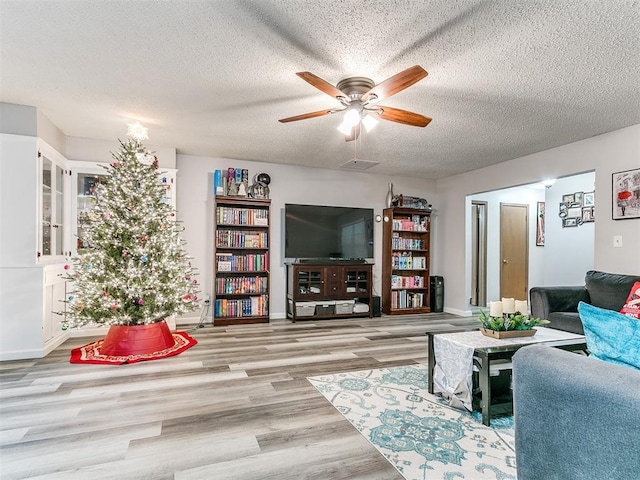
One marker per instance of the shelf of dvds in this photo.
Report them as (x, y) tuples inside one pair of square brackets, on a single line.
[(405, 261), (241, 260)]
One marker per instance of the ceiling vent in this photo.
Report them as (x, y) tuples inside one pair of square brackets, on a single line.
[(359, 164)]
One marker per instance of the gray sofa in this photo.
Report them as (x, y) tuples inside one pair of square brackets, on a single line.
[(575, 417), (559, 305)]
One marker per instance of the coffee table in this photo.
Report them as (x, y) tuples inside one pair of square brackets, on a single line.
[(487, 350)]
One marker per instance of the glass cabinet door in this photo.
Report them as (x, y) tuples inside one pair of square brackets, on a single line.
[(58, 213), (311, 282), (52, 207), (47, 224), (357, 281), (85, 202)]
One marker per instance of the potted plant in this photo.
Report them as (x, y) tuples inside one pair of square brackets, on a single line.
[(509, 325), (134, 271)]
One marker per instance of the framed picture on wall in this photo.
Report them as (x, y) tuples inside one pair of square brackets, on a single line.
[(589, 199), (578, 198), (540, 225), (569, 222), (588, 214), (575, 212), (562, 212), (626, 194)]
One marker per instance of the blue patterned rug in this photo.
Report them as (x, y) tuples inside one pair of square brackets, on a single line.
[(421, 436)]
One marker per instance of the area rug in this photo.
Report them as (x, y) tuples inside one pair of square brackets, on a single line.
[(421, 436), (90, 353)]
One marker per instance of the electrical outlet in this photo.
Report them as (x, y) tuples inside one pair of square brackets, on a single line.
[(617, 241)]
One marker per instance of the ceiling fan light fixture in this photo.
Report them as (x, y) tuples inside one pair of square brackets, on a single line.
[(369, 122), (345, 128), (352, 117)]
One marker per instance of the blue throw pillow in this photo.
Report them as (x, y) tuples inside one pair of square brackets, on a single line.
[(611, 336)]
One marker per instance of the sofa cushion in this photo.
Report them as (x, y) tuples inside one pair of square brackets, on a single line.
[(611, 336), (566, 321), (608, 290)]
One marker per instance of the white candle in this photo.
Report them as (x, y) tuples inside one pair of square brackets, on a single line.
[(509, 305), (522, 307), (495, 309)]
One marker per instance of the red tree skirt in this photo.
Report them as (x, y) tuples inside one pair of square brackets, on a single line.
[(91, 352)]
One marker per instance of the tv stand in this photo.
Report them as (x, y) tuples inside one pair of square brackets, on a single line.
[(327, 289)]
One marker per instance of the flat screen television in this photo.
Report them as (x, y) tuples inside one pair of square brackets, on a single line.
[(318, 232)]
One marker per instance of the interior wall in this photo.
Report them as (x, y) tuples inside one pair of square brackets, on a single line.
[(603, 154), (29, 121), (518, 195), (569, 251), (289, 184)]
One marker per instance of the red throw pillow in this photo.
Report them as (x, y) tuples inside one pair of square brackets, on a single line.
[(632, 307)]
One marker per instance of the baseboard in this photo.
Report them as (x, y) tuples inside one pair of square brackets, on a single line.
[(459, 313)]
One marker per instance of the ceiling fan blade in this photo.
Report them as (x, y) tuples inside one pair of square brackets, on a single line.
[(395, 84), (322, 85), (402, 116), (304, 116), (355, 133)]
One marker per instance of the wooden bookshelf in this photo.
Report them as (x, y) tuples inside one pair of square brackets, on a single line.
[(405, 261), (241, 260)]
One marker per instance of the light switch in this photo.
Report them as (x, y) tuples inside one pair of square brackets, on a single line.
[(617, 241)]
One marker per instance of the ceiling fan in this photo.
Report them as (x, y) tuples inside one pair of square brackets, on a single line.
[(359, 95)]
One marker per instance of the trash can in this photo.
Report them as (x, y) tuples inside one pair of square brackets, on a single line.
[(436, 293)]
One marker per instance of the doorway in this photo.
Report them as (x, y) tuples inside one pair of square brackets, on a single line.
[(478, 254), (514, 250)]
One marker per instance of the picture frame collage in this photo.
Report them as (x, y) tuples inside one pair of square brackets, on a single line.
[(577, 208)]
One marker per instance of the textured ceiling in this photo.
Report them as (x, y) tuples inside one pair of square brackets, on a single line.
[(506, 78)]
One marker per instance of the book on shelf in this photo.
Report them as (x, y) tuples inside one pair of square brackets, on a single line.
[(242, 216), (248, 262), (401, 299), (242, 307), (227, 238)]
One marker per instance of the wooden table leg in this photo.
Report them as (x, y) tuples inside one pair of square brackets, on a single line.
[(485, 389)]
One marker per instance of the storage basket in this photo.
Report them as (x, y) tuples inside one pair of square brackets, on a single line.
[(304, 309), (326, 308), (344, 306)]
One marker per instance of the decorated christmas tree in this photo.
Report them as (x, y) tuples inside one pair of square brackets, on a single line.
[(134, 270)]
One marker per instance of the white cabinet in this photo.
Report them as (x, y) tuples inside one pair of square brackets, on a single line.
[(54, 296), (34, 239)]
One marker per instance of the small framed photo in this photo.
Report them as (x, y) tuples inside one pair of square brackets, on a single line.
[(578, 199), (626, 194), (589, 199), (575, 212), (569, 222), (562, 213), (568, 198), (588, 214)]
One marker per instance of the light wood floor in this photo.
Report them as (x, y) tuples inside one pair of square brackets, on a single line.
[(235, 406)]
